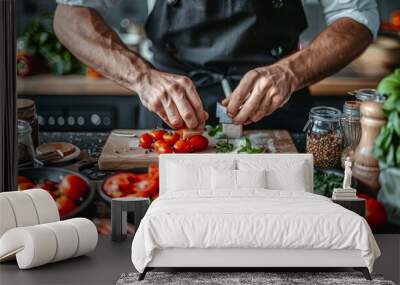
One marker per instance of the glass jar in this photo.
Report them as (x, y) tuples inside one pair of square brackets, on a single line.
[(351, 129), (27, 112), (25, 146), (324, 137), (367, 95)]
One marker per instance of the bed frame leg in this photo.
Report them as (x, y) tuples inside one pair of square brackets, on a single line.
[(143, 274), (364, 271)]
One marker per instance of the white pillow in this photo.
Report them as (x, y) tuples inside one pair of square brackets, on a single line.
[(251, 178), (284, 174), (185, 175), (224, 179)]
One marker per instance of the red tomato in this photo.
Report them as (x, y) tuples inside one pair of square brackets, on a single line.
[(157, 134), (375, 212), (198, 142), (74, 187), (164, 148), (158, 143), (119, 184), (65, 205), (24, 183), (146, 140), (171, 138), (145, 188), (182, 146), (48, 185), (153, 170)]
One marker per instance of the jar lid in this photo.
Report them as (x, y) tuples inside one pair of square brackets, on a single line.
[(23, 127), (367, 95), (351, 108), (26, 108), (325, 113)]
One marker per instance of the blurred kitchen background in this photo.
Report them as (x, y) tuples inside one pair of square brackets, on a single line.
[(66, 103), (99, 105)]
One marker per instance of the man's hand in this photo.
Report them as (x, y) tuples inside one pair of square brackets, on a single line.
[(260, 92), (173, 98), (263, 90)]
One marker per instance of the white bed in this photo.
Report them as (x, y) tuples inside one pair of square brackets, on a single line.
[(195, 224)]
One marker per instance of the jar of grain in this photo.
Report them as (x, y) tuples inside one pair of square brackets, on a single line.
[(324, 137)]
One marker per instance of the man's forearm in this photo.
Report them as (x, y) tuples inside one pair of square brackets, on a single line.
[(87, 36), (333, 49)]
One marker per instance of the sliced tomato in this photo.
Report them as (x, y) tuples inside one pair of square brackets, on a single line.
[(74, 187), (153, 170), (198, 142), (157, 134), (182, 146), (145, 188), (146, 140), (119, 184), (171, 138), (65, 205)]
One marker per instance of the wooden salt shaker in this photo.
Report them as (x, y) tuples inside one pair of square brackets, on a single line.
[(366, 166)]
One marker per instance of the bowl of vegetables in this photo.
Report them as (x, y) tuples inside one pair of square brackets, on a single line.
[(137, 182), (71, 191)]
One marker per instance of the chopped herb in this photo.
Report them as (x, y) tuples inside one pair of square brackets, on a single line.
[(224, 146), (213, 131), (249, 148)]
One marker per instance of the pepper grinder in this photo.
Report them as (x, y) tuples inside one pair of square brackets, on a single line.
[(366, 166)]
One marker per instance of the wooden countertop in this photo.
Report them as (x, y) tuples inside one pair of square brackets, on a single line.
[(337, 85)]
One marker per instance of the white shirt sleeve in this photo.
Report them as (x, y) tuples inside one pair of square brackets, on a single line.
[(363, 11), (102, 6)]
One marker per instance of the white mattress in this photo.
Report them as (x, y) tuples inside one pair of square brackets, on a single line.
[(257, 219)]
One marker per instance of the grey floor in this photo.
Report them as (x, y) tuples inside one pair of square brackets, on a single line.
[(103, 266), (110, 259)]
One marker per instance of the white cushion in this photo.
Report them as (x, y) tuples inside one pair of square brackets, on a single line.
[(40, 244), (283, 174), (187, 175), (26, 208), (46, 207), (251, 178), (7, 218), (226, 179), (223, 179), (23, 208)]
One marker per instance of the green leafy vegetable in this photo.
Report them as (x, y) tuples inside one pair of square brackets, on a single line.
[(213, 131), (224, 146), (40, 40), (387, 143), (390, 86), (249, 148), (324, 183)]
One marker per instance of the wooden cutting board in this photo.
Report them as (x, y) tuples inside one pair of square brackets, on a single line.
[(121, 151)]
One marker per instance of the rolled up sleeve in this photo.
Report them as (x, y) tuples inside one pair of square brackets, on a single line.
[(364, 12), (101, 6)]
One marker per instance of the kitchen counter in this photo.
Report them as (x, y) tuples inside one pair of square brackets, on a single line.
[(93, 142), (337, 85)]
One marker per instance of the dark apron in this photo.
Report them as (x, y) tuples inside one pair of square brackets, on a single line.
[(208, 40)]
